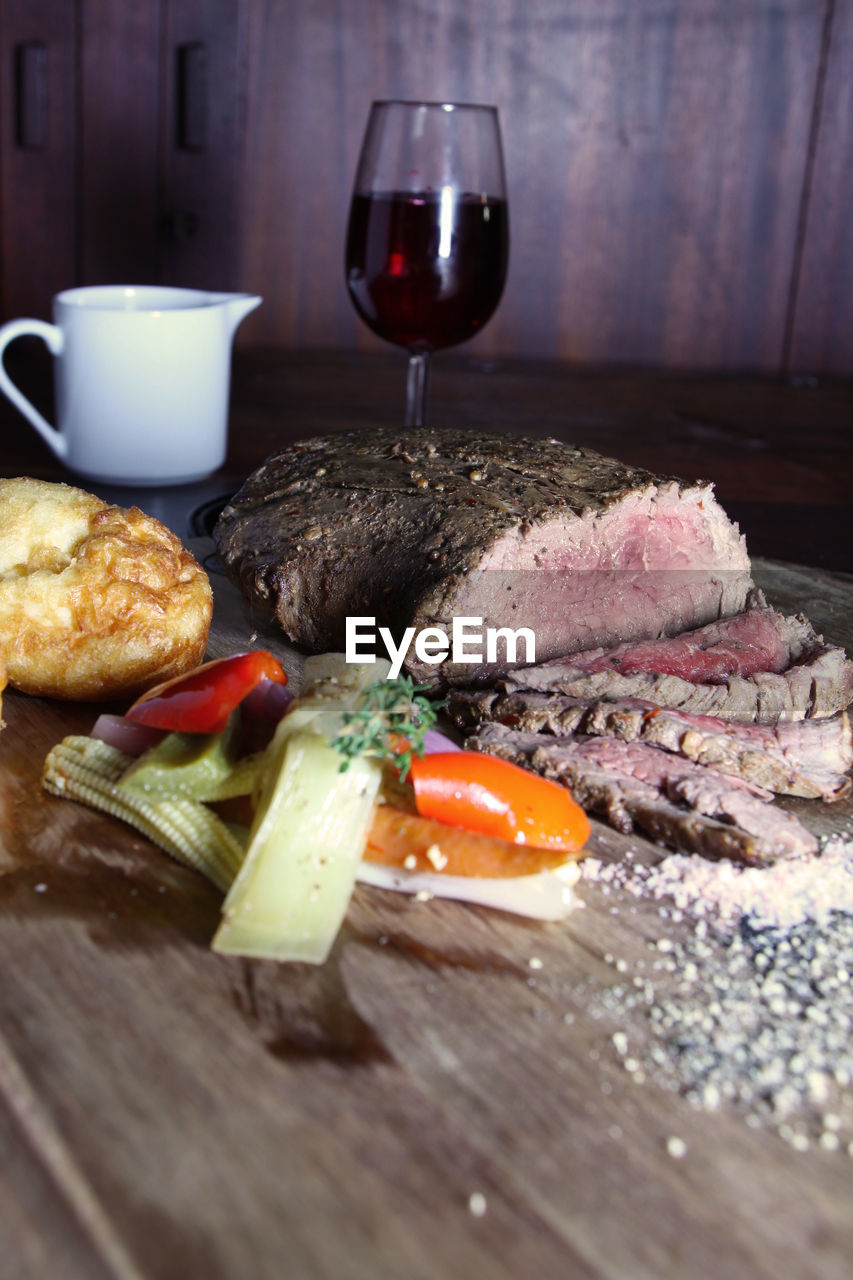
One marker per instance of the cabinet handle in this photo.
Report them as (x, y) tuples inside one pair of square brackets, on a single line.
[(191, 96), (30, 96)]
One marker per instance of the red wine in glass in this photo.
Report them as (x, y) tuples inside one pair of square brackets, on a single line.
[(428, 236), (404, 286)]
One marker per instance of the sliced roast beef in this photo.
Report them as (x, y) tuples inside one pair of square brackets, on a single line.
[(685, 805), (418, 527), (758, 639), (819, 685), (809, 758)]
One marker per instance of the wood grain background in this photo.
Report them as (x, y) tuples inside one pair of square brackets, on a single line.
[(680, 171)]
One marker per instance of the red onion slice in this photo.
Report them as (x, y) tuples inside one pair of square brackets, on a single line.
[(267, 701), (123, 734), (435, 741)]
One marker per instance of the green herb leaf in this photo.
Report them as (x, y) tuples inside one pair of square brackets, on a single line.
[(390, 723)]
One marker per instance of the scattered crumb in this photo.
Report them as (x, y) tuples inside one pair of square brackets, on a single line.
[(436, 857), (677, 1148), (477, 1204)]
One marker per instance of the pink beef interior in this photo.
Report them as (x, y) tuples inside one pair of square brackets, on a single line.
[(758, 640), (658, 561), (653, 528)]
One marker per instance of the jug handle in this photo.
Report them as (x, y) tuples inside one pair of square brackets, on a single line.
[(52, 336)]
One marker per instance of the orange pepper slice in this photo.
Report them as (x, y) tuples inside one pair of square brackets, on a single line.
[(496, 798)]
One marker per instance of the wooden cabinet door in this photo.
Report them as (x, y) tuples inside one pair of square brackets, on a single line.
[(201, 143), (119, 103), (37, 154), (161, 141), (120, 145)]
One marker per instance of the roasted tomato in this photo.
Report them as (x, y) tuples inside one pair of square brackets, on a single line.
[(483, 793), (202, 700)]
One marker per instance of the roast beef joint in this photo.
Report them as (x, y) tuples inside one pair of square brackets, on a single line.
[(665, 691), (416, 529)]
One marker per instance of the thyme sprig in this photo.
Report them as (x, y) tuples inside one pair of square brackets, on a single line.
[(390, 723)]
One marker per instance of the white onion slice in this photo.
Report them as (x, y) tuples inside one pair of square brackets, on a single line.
[(547, 895)]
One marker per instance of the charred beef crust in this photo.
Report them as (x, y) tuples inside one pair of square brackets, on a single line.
[(817, 686), (402, 512), (374, 523), (807, 758)]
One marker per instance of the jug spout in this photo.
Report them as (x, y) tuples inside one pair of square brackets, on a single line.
[(237, 305)]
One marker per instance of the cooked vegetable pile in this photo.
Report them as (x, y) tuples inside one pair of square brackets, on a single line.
[(284, 803)]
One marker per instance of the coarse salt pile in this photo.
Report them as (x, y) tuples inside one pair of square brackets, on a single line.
[(782, 895), (753, 1004)]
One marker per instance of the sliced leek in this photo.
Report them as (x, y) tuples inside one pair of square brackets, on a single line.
[(310, 828), (305, 848)]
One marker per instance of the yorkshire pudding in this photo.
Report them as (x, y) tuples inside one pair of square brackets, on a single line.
[(96, 601)]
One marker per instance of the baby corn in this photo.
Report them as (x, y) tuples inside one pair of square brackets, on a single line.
[(88, 770)]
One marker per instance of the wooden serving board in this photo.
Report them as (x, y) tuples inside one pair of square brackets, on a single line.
[(167, 1112)]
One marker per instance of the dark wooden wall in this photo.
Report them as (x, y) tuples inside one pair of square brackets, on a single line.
[(680, 171)]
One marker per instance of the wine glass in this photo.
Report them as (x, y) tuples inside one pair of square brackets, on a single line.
[(428, 236)]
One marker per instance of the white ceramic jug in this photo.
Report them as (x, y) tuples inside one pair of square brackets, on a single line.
[(141, 376)]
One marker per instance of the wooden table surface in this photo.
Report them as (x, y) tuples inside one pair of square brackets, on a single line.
[(430, 1103), (780, 454)]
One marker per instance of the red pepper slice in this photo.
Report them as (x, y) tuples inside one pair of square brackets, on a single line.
[(500, 799), (202, 700)]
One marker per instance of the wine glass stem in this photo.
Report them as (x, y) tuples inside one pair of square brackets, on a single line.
[(416, 390)]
